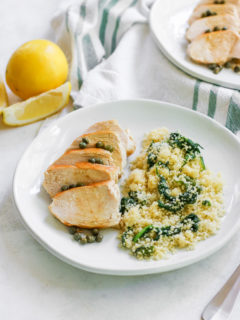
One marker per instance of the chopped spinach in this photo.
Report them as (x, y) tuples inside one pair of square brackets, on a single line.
[(144, 251), (175, 204), (126, 204), (206, 203), (125, 235), (202, 163), (142, 232), (191, 149), (194, 219)]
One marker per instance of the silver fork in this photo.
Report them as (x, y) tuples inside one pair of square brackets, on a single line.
[(220, 307)]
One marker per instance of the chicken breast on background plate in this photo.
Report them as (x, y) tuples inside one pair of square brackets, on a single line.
[(236, 2), (214, 47), (200, 26), (214, 8), (94, 206)]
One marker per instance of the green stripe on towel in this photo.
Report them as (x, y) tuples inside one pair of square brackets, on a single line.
[(83, 10), (89, 52), (233, 117), (114, 37), (195, 95), (104, 22), (66, 20), (212, 101)]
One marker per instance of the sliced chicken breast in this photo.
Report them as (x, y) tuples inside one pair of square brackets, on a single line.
[(236, 2), (74, 156), (214, 47), (112, 125), (94, 206), (200, 26), (235, 53), (214, 8), (84, 173), (108, 138)]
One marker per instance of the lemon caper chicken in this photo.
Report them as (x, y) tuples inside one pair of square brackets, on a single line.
[(106, 140), (213, 34), (92, 155), (93, 206), (63, 177), (83, 181), (124, 135)]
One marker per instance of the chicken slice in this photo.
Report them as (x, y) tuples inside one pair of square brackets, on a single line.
[(221, 21), (108, 138), (84, 173), (235, 53), (214, 47), (74, 156), (124, 135), (94, 206), (214, 8), (235, 2)]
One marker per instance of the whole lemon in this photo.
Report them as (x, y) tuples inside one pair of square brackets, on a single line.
[(35, 67)]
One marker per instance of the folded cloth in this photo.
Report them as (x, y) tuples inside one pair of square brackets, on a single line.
[(112, 56)]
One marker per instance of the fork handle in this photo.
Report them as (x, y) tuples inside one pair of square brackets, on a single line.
[(220, 307)]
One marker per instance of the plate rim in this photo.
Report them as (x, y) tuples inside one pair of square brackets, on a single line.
[(178, 64), (119, 272)]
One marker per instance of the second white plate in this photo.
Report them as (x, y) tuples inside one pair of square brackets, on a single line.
[(168, 22)]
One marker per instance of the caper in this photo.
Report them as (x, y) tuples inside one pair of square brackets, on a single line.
[(236, 69), (204, 15), (99, 144), (72, 230), (83, 238), (216, 28), (208, 13), (79, 184), (109, 148), (85, 140), (224, 28), (77, 236), (228, 65), (217, 70), (92, 160), (95, 232), (212, 66), (72, 186), (82, 145), (64, 188), (208, 31), (99, 237), (99, 161), (90, 238)]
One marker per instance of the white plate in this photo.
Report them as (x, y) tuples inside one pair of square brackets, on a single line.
[(222, 153), (168, 22)]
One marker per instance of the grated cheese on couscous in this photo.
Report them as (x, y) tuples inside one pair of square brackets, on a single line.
[(171, 200)]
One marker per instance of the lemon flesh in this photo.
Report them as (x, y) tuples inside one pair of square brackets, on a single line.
[(37, 108), (36, 67), (3, 96)]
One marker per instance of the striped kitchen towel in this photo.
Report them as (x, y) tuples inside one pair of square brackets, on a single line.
[(112, 56)]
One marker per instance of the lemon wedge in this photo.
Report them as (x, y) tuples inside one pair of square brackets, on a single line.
[(38, 107), (3, 96)]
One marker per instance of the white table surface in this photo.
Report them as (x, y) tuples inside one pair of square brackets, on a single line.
[(36, 285)]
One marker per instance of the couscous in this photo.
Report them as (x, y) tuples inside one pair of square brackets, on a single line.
[(171, 200)]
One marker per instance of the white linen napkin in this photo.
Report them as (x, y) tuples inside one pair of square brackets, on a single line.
[(112, 56)]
